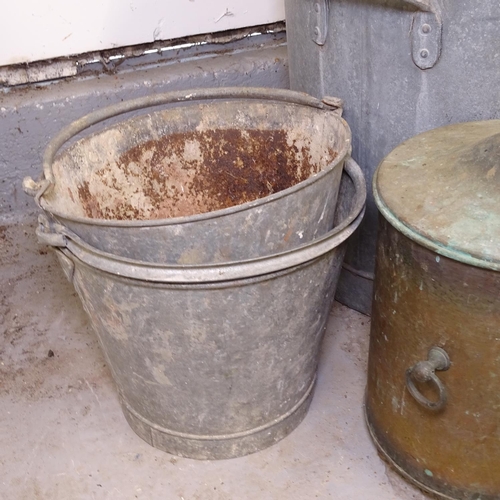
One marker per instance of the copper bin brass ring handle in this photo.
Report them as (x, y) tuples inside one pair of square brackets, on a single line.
[(425, 371)]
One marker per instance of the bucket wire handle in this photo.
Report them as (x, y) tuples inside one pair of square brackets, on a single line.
[(47, 180)]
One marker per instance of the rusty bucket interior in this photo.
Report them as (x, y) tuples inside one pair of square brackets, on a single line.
[(194, 159)]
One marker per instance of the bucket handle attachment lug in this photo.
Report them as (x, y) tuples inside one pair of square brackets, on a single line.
[(425, 371), (36, 188), (336, 104), (47, 179), (50, 233)]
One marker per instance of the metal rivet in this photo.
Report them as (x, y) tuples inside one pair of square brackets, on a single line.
[(424, 53), (316, 7), (316, 31), (426, 28)]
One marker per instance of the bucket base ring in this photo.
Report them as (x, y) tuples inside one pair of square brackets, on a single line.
[(214, 447)]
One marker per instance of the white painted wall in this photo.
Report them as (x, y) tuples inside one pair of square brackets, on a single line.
[(33, 30)]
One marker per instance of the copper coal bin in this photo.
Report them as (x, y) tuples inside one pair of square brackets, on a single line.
[(433, 394)]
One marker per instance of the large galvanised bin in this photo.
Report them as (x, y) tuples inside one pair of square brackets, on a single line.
[(402, 67)]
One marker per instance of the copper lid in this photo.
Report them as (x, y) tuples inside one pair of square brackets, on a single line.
[(442, 189)]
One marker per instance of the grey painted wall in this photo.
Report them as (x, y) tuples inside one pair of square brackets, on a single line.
[(32, 115)]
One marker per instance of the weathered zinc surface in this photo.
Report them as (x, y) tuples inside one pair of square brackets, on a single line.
[(433, 399)]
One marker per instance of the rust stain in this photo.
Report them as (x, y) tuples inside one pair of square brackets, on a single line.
[(195, 172), (91, 204), (288, 234)]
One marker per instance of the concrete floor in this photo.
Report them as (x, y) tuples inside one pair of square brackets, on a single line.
[(63, 435)]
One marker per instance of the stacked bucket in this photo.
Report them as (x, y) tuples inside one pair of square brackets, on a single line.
[(205, 237)]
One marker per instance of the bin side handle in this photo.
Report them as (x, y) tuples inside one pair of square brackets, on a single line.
[(426, 33), (426, 30)]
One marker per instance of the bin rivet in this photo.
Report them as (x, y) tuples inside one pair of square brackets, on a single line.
[(424, 53), (317, 7), (426, 28)]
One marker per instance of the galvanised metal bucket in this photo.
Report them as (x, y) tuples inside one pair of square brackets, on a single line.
[(213, 361), (225, 174), (402, 67)]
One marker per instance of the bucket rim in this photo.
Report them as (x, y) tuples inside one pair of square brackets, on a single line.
[(215, 214), (74, 247), (186, 97)]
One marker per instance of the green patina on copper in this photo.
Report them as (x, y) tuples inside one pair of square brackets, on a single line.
[(442, 190)]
